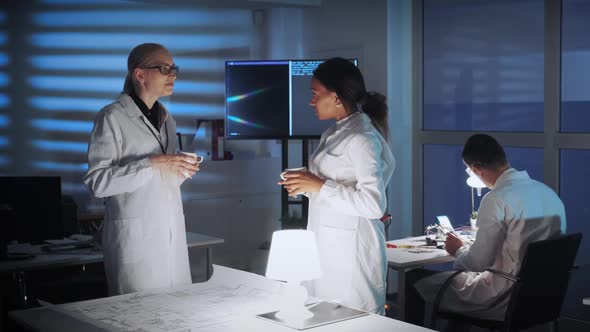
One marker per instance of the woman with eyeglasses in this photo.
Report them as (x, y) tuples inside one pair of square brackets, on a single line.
[(133, 165)]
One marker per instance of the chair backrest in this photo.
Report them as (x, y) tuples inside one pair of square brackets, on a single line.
[(543, 281)]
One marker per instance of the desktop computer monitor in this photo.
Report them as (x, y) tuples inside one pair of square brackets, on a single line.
[(269, 99), (30, 208)]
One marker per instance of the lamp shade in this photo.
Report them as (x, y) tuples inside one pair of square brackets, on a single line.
[(474, 181), (293, 256)]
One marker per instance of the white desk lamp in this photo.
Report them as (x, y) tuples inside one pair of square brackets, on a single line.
[(293, 258), (475, 183)]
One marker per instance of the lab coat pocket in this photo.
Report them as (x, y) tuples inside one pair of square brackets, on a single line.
[(373, 263), (337, 256), (331, 219), (125, 237)]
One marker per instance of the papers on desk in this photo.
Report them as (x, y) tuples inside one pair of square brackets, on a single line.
[(418, 252), (73, 242), (228, 302), (76, 241), (60, 241), (19, 251), (404, 256), (202, 307), (72, 239)]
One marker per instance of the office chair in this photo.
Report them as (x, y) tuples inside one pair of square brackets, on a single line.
[(539, 288)]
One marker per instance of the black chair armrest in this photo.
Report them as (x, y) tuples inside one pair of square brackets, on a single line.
[(504, 275), (438, 298)]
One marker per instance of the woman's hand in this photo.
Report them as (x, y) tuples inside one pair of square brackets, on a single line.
[(181, 165), (297, 182)]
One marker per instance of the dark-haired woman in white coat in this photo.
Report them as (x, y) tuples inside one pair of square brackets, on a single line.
[(133, 165), (346, 182)]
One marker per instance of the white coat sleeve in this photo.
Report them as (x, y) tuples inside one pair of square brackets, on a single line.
[(367, 198), (488, 240), (106, 177)]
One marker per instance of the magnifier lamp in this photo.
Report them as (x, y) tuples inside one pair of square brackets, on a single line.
[(475, 183), (293, 258)]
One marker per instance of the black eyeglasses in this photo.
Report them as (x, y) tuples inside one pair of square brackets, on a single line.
[(164, 69)]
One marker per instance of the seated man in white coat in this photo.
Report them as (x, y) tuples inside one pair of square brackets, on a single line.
[(517, 211)]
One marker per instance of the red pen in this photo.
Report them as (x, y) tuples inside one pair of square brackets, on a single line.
[(401, 246)]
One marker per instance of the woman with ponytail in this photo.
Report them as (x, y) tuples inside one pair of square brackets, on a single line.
[(348, 174)]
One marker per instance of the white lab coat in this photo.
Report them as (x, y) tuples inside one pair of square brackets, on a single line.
[(518, 211), (143, 238), (357, 164)]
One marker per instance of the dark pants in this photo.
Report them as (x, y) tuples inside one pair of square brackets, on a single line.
[(414, 304)]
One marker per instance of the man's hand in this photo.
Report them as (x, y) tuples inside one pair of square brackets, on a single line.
[(182, 165), (452, 244)]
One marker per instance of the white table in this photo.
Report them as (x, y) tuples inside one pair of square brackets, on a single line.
[(229, 301), (43, 260), (403, 259)]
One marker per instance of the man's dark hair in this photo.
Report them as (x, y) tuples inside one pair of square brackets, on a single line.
[(483, 151)]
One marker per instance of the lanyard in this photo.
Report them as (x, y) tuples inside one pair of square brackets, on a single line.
[(156, 136)]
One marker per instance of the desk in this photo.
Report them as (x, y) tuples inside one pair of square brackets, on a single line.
[(229, 301), (403, 260), (44, 260)]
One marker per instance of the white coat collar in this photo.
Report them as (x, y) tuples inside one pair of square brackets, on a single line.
[(353, 121), (349, 121), (132, 111), (339, 131), (510, 175)]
